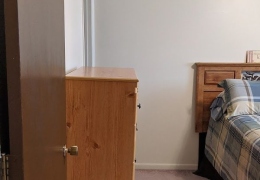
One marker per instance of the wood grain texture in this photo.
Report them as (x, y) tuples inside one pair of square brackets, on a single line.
[(214, 77), (101, 121), (207, 77)]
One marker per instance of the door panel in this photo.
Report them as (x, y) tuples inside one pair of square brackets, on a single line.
[(36, 88)]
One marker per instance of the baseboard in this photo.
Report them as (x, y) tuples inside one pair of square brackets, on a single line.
[(166, 166)]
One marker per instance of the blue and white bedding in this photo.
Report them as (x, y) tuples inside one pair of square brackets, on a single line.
[(233, 147), (233, 136)]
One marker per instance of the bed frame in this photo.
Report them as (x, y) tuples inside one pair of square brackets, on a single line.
[(208, 75)]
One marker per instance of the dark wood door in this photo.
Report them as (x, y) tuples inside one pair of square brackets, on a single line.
[(34, 33)]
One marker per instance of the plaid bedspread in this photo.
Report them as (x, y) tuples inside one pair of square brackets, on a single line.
[(233, 147)]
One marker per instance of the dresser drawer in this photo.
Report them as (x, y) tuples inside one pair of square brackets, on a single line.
[(214, 77)]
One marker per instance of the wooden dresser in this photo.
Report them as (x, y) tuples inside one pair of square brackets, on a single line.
[(208, 75), (101, 118)]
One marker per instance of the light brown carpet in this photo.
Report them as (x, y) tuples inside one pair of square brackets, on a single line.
[(165, 175)]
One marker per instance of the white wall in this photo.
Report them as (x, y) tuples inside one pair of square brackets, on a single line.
[(74, 50), (162, 39)]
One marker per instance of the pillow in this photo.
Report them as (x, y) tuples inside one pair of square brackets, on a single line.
[(242, 97), (217, 107)]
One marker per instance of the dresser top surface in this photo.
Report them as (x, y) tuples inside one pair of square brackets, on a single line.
[(103, 73)]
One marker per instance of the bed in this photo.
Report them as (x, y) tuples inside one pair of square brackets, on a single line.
[(227, 118)]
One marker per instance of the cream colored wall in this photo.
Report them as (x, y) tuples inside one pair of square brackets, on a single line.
[(162, 39), (74, 35)]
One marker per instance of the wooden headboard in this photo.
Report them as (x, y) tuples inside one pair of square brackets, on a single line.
[(208, 76)]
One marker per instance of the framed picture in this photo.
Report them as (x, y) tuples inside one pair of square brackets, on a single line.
[(253, 56)]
